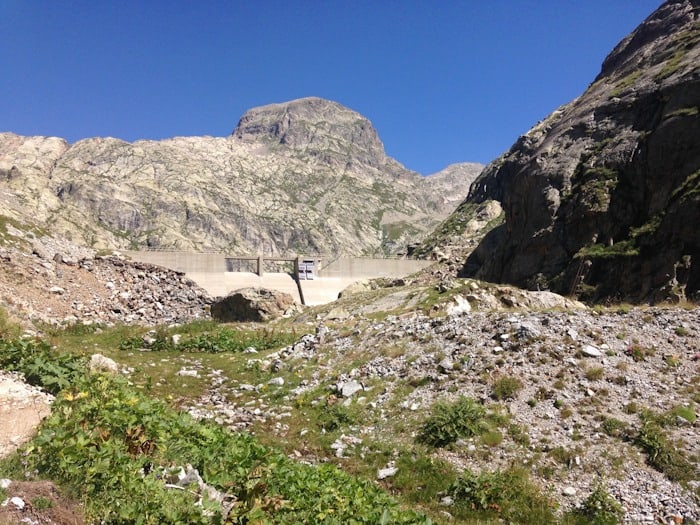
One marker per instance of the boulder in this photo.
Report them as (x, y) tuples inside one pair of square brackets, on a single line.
[(251, 304)]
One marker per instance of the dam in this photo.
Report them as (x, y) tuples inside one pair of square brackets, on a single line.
[(220, 274)]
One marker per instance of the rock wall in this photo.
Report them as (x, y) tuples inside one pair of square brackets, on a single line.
[(601, 198)]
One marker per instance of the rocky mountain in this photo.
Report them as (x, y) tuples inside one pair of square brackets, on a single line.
[(307, 176), (602, 198)]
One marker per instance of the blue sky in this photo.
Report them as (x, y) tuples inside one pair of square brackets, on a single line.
[(442, 82)]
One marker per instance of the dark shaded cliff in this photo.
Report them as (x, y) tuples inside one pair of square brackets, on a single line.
[(602, 198)]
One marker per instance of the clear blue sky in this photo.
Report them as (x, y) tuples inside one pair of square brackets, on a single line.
[(442, 81)]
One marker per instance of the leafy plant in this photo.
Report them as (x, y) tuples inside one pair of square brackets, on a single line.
[(508, 496), (41, 365), (451, 421), (599, 508)]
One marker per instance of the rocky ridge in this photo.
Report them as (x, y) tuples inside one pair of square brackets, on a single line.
[(600, 198), (308, 176)]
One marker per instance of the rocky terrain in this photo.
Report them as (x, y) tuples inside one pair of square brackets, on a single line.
[(304, 177), (601, 197), (578, 372), (388, 350), (45, 281)]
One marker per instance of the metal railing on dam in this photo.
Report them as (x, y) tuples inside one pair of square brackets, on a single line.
[(221, 273)]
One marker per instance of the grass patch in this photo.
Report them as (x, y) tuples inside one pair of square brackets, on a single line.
[(507, 496), (422, 478), (662, 453), (506, 387)]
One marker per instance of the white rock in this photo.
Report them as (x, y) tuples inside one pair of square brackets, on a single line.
[(100, 363), (57, 290), (387, 472), (447, 364), (447, 501), (591, 351), (5, 483), (17, 502), (188, 373), (349, 388), (569, 491), (276, 381), (460, 307)]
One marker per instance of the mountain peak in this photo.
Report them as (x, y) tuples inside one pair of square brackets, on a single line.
[(315, 125)]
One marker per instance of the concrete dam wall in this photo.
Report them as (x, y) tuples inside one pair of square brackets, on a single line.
[(213, 272)]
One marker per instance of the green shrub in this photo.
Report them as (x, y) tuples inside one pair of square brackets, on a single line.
[(686, 413), (662, 454), (613, 427), (449, 422), (506, 387), (508, 496), (599, 508), (41, 365), (492, 438), (594, 373)]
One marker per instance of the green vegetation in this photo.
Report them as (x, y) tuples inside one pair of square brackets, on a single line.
[(114, 447), (639, 353), (506, 387), (689, 189), (422, 477), (604, 251), (622, 85), (449, 422), (507, 496), (220, 340), (691, 111), (8, 329), (599, 508), (662, 453), (41, 365)]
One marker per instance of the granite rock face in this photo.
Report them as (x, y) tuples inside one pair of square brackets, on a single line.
[(602, 198), (304, 177)]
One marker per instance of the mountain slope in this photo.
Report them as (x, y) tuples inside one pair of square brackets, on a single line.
[(307, 176), (602, 197)]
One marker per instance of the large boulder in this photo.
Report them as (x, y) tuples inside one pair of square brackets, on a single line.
[(251, 304)]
